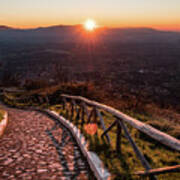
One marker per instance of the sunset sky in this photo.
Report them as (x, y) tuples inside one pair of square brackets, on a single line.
[(162, 14)]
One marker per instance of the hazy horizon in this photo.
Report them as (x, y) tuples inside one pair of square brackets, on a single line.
[(56, 25), (115, 14)]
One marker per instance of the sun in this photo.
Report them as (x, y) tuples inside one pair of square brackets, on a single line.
[(90, 25)]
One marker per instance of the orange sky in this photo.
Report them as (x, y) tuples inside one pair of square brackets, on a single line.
[(111, 13)]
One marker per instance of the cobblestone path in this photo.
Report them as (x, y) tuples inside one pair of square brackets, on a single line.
[(37, 147)]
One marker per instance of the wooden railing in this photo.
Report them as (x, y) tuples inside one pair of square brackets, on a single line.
[(79, 105), (80, 108)]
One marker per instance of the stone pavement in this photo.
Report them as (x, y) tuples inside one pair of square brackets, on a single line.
[(36, 147)]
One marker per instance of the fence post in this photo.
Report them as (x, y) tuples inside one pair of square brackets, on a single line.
[(95, 115), (78, 114), (109, 128), (102, 124), (138, 153), (72, 110), (64, 103), (82, 115), (118, 137), (90, 115), (66, 107)]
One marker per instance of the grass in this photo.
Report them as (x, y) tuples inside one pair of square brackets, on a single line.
[(122, 166), (1, 115)]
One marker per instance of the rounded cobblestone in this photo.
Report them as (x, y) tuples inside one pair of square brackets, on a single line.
[(36, 147)]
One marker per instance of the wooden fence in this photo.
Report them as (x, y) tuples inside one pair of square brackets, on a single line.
[(79, 105)]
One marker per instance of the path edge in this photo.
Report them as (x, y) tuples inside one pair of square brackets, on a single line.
[(3, 124), (94, 162)]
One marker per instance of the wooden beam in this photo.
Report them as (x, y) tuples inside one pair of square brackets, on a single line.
[(94, 116), (91, 115), (103, 124), (47, 99), (82, 115), (145, 128), (135, 148), (41, 99), (118, 138), (64, 103), (85, 109), (72, 110), (75, 105), (170, 169), (138, 153), (109, 128), (67, 111), (78, 114), (66, 107)]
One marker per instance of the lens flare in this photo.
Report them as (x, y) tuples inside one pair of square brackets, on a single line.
[(90, 25)]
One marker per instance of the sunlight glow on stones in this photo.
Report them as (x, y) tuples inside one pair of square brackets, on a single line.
[(91, 128), (90, 25)]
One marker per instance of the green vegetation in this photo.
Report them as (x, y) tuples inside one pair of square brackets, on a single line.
[(120, 165), (1, 115), (125, 164), (164, 120)]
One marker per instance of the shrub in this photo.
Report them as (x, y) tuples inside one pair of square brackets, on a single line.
[(162, 126), (35, 84), (1, 115)]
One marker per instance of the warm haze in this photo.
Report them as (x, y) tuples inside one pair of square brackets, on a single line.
[(89, 89), (115, 13)]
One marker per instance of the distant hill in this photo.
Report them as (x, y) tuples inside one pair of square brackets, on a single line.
[(4, 28), (63, 33)]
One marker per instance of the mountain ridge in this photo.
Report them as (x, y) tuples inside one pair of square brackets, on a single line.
[(148, 29), (75, 33)]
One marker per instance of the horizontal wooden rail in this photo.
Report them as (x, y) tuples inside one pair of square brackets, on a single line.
[(145, 128), (158, 171), (76, 109)]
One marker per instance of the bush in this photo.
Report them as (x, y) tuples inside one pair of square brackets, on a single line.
[(1, 115), (35, 84), (162, 126), (87, 90), (176, 132), (9, 80)]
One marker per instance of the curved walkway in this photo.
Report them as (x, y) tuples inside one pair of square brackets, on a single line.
[(36, 147)]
